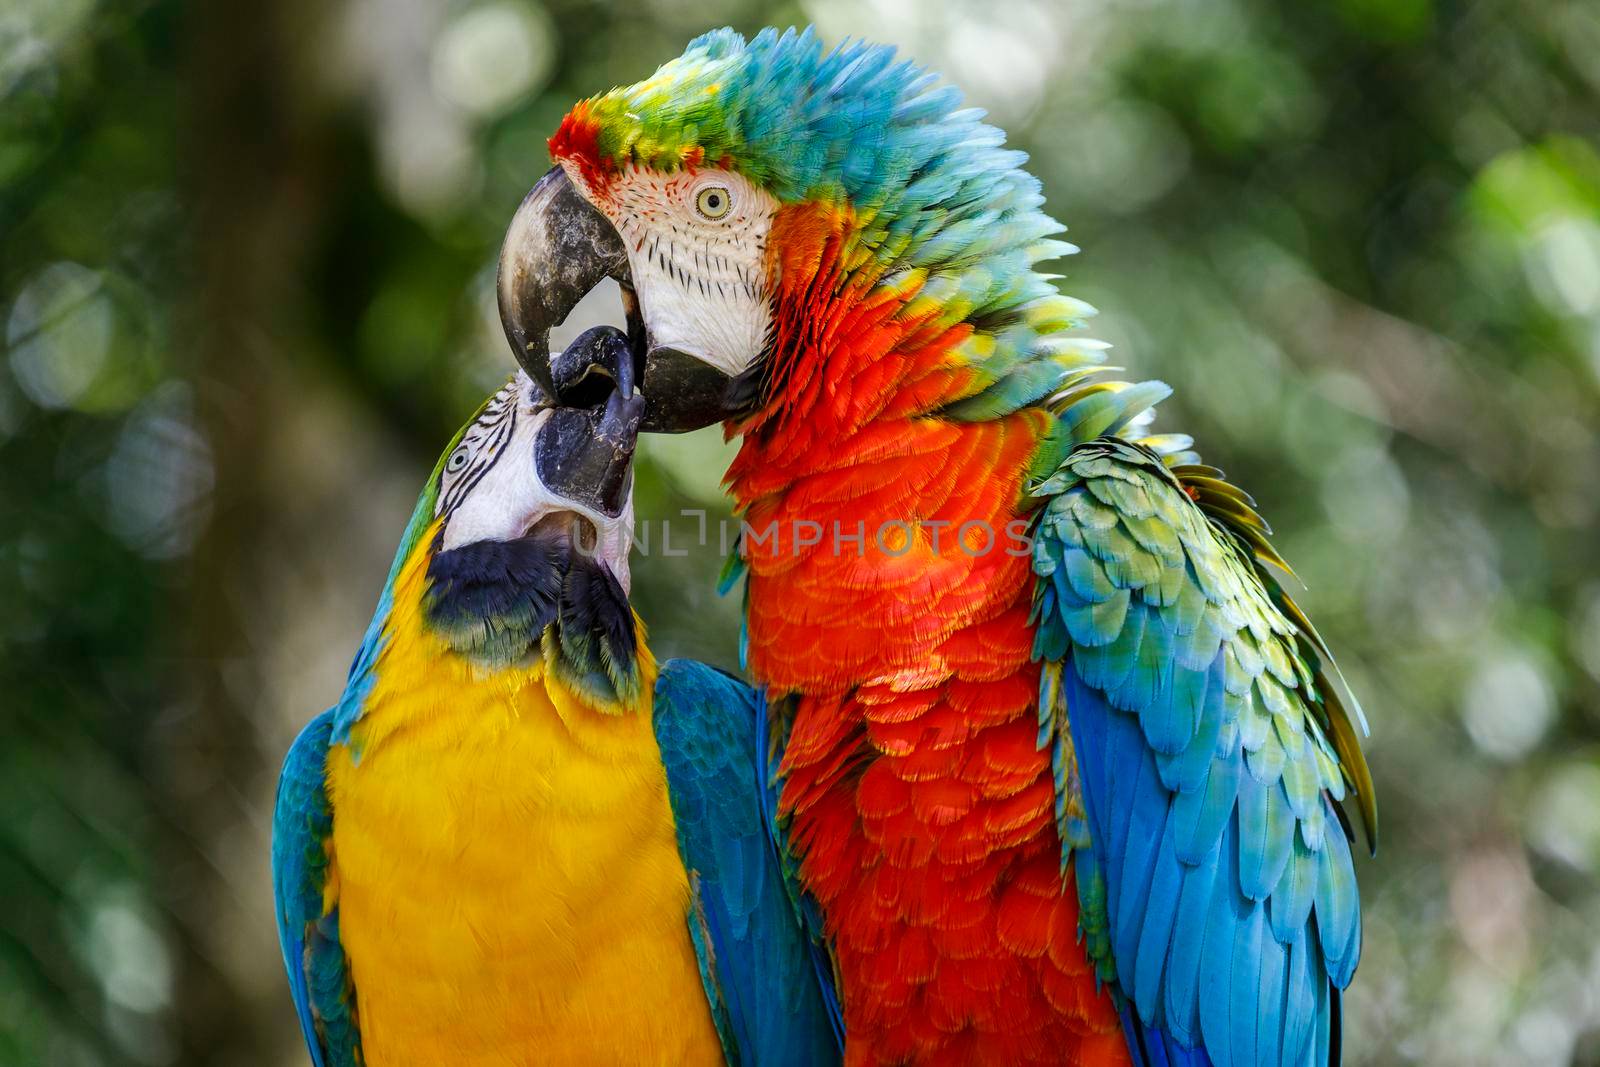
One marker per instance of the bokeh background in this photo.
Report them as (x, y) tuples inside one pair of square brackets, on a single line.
[(246, 262)]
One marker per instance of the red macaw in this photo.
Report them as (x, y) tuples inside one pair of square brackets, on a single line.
[(1061, 763)]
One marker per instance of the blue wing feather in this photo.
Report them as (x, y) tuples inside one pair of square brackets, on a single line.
[(772, 1003), (1153, 1048), (308, 935), (807, 912), (1193, 694)]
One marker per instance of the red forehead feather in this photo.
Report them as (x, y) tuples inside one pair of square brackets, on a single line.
[(577, 141)]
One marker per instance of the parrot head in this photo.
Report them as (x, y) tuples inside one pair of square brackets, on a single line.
[(747, 197), (518, 547), (524, 469)]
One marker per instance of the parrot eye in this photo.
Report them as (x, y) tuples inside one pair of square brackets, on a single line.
[(713, 201), (457, 460)]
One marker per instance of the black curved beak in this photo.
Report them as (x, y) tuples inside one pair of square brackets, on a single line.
[(559, 247), (556, 249), (585, 455)]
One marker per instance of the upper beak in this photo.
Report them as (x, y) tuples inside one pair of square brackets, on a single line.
[(585, 456), (559, 247)]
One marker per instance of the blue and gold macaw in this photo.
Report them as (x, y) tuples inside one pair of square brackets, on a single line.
[(497, 848)]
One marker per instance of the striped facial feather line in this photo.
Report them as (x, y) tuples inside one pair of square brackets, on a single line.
[(480, 449), (667, 255)]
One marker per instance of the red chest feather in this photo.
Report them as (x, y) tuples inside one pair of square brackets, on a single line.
[(921, 806)]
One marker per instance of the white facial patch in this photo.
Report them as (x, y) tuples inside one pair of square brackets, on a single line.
[(697, 246), (490, 489)]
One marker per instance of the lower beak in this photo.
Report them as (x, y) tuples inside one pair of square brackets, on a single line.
[(683, 392), (559, 247), (585, 455)]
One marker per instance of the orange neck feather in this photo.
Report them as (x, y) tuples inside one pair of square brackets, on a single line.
[(843, 442), (913, 783)]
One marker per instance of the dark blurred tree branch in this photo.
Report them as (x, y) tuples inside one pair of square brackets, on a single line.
[(255, 187)]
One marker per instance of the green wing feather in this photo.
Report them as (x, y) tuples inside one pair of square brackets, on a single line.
[(1200, 715)]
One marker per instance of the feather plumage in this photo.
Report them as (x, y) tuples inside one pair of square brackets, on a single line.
[(494, 750), (919, 374), (1242, 924), (308, 922), (774, 994)]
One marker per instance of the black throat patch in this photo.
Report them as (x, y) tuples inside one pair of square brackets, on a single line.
[(502, 602)]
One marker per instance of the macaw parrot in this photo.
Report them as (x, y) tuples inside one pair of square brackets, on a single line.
[(1060, 763), (497, 848)]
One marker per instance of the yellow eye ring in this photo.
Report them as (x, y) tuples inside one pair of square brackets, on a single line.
[(713, 201)]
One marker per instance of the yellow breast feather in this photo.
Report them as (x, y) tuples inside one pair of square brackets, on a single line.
[(508, 879)]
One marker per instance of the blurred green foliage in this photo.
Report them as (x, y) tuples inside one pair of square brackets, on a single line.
[(246, 262)]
